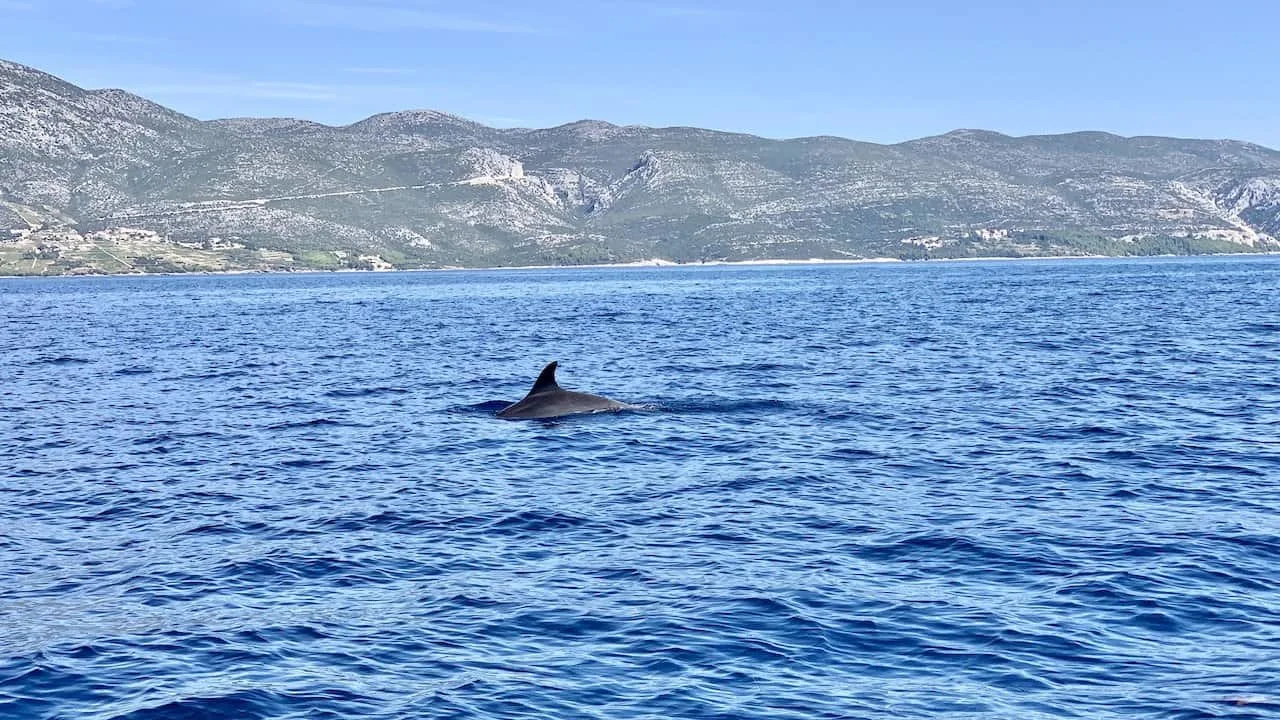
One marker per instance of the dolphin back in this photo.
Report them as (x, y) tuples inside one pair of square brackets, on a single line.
[(547, 400)]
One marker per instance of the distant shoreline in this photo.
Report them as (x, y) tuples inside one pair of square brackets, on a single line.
[(653, 263), (659, 262)]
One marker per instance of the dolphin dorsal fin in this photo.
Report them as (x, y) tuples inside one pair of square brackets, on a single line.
[(546, 379)]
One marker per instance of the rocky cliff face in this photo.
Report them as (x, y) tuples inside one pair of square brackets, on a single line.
[(426, 188)]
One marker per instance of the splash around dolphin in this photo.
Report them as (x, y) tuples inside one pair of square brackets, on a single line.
[(548, 400)]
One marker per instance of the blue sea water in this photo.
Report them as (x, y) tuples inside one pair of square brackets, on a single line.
[(958, 490)]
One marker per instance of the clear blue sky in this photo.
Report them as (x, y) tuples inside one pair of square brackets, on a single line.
[(884, 71)]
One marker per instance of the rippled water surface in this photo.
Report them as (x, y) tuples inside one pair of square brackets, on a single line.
[(965, 490)]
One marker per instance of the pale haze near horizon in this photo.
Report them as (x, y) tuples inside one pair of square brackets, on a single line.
[(876, 71)]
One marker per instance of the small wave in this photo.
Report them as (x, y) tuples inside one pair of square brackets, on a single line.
[(1264, 544), (849, 453), (965, 554), (464, 600), (401, 522), (61, 360), (751, 482), (1065, 391), (336, 570), (38, 689), (365, 392), (488, 407), (1082, 432), (1133, 457), (565, 624), (1260, 703), (135, 370), (1156, 622), (230, 527), (764, 367), (285, 633), (313, 423), (302, 463), (538, 521), (239, 704), (622, 573), (213, 375), (156, 439), (722, 536), (291, 405), (721, 407), (1051, 345)]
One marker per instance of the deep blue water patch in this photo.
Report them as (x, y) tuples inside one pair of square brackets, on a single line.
[(997, 490)]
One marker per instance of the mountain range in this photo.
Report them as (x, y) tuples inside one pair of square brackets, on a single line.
[(156, 189)]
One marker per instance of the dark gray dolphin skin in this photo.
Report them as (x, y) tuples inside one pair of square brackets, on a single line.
[(549, 400)]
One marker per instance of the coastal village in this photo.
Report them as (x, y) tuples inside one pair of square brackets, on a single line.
[(54, 249)]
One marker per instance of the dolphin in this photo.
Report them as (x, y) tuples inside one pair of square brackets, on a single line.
[(549, 400)]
